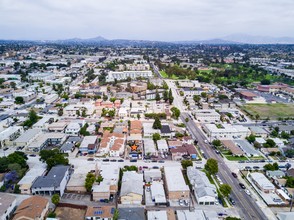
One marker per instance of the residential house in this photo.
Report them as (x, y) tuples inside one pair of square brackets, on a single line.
[(99, 212), (54, 182), (33, 208), (131, 214), (131, 188), (73, 128), (207, 115), (162, 146), (165, 131), (262, 182), (7, 205), (89, 144), (225, 131), (112, 144), (204, 191), (176, 187), (9, 135)]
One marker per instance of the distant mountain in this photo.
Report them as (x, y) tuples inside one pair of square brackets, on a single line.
[(80, 40), (211, 41), (250, 39), (227, 40)]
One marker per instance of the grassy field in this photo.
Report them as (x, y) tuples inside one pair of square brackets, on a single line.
[(164, 75), (234, 158), (273, 111)]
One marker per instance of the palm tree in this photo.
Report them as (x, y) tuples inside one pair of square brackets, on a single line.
[(257, 117)]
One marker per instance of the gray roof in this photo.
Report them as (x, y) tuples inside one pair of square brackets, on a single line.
[(53, 178), (258, 130), (247, 147), (28, 135), (131, 214), (74, 139), (67, 146), (132, 182), (5, 201)]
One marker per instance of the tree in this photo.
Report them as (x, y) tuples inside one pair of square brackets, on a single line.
[(216, 143), (289, 153), (19, 100), (18, 159), (257, 117), (232, 218), (225, 189), (84, 112), (165, 95), (269, 143), (53, 158), (3, 164), (157, 124), (186, 163), (290, 182), (13, 85), (157, 96), (251, 138), (203, 94), (175, 112), (90, 179), (196, 98), (164, 85), (99, 179), (285, 135), (17, 168), (116, 214), (211, 166), (138, 116), (60, 112), (55, 199), (156, 136), (271, 167), (170, 97), (265, 82)]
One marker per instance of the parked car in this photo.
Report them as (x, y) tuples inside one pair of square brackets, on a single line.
[(232, 201), (105, 160), (90, 159), (234, 175), (242, 185), (256, 167), (247, 192), (32, 155), (120, 160)]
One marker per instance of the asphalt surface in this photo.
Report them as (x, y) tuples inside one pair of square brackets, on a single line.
[(247, 205)]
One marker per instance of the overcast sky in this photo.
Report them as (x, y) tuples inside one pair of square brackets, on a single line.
[(144, 19)]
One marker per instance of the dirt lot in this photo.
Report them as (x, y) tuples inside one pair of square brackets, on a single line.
[(66, 213)]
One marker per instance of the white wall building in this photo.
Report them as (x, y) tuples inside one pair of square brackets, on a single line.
[(207, 115), (225, 131), (126, 74)]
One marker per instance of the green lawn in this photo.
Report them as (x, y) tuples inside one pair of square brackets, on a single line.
[(273, 111), (164, 75), (234, 158)]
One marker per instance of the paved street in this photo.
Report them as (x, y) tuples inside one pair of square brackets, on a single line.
[(247, 206)]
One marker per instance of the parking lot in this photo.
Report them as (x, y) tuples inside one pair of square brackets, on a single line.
[(73, 196)]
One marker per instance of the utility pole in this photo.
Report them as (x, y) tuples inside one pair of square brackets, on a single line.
[(291, 206)]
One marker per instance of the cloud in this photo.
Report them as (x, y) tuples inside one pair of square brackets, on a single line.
[(144, 19)]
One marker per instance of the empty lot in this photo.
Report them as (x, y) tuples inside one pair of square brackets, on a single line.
[(273, 111)]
